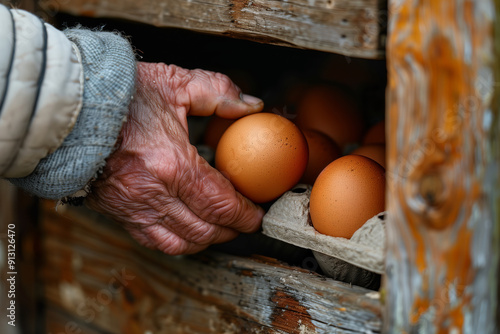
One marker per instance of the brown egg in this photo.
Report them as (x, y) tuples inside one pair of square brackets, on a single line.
[(263, 155), (374, 151), (322, 151), (375, 134), (333, 111), (348, 192), (215, 129)]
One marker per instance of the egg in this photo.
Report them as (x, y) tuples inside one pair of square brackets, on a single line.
[(263, 155), (348, 192), (322, 151), (374, 151), (333, 111), (375, 134)]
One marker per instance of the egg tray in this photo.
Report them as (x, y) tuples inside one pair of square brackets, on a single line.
[(359, 260)]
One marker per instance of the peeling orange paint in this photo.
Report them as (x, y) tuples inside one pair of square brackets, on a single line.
[(289, 315)]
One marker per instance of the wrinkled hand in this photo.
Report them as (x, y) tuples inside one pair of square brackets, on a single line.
[(155, 183)]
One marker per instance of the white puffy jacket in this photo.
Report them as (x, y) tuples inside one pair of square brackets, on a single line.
[(54, 87)]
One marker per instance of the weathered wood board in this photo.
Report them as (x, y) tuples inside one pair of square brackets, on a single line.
[(95, 272), (7, 217), (443, 175), (348, 27), (18, 266)]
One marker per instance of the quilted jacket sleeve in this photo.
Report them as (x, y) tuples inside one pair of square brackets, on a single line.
[(64, 96), (41, 90)]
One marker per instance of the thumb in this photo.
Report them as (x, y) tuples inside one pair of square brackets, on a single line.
[(234, 108), (214, 93)]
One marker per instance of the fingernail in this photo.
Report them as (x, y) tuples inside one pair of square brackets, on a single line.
[(249, 99)]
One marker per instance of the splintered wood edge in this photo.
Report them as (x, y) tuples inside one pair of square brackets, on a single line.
[(288, 221), (346, 27)]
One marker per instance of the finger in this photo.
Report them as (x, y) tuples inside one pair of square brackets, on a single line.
[(212, 197), (236, 108), (175, 230), (171, 243), (186, 224), (214, 93), (172, 238)]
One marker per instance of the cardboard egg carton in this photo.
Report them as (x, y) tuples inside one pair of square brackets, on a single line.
[(353, 260)]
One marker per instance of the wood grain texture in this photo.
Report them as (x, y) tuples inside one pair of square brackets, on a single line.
[(18, 266), (7, 217), (443, 124), (348, 27), (95, 272)]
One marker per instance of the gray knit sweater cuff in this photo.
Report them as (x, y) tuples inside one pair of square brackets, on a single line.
[(109, 69)]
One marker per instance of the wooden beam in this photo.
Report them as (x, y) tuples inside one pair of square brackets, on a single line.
[(348, 27), (95, 273), (443, 174)]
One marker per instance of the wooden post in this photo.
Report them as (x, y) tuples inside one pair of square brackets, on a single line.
[(443, 173)]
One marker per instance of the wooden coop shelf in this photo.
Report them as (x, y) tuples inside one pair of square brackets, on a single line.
[(349, 27), (95, 275)]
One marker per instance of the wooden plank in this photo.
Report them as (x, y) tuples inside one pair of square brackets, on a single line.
[(18, 246), (28, 5), (27, 253), (59, 321), (443, 126), (95, 272), (7, 221), (348, 27)]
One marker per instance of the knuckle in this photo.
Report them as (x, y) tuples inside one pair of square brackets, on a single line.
[(168, 242), (173, 246), (215, 210), (202, 234), (223, 83)]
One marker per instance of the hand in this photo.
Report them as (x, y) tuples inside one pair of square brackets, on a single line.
[(155, 183)]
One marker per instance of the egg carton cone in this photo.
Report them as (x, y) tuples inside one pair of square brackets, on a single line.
[(288, 220)]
